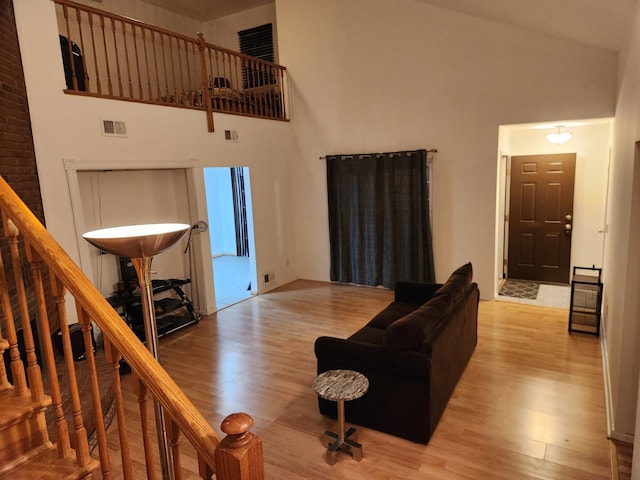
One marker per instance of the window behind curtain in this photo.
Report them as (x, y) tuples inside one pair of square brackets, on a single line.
[(379, 224), (257, 42)]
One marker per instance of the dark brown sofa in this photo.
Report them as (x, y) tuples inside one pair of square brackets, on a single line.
[(413, 353)]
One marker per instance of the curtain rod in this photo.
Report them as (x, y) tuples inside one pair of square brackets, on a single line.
[(430, 150)]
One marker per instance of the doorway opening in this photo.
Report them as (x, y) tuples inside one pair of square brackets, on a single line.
[(228, 193), (569, 238)]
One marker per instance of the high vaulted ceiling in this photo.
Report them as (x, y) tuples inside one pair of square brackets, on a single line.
[(207, 9), (601, 23)]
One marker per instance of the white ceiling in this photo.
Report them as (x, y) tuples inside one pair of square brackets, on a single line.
[(602, 23), (207, 9)]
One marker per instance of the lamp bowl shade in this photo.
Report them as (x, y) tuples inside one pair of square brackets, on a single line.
[(137, 241)]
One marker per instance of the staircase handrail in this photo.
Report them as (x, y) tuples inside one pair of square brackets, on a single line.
[(190, 421)]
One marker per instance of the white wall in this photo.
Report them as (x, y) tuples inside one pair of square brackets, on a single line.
[(591, 143), (126, 197), (621, 306), (395, 74), (67, 127)]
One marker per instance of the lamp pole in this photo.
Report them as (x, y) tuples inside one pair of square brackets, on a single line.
[(140, 243), (142, 265)]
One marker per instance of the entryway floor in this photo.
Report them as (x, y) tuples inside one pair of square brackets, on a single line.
[(558, 296), (232, 280)]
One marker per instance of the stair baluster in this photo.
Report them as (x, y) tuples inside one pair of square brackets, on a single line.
[(173, 434), (143, 400), (15, 362), (34, 374), (62, 431), (81, 442), (83, 319), (113, 358)]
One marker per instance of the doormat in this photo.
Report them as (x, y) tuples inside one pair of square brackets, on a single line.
[(520, 289)]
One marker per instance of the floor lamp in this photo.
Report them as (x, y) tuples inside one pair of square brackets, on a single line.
[(140, 243)]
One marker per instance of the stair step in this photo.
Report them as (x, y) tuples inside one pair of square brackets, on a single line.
[(15, 460), (23, 426), (15, 408), (47, 466)]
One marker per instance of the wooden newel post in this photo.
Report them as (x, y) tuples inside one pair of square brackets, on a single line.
[(239, 454), (206, 93)]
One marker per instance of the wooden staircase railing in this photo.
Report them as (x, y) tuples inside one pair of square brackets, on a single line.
[(26, 400), (110, 56)]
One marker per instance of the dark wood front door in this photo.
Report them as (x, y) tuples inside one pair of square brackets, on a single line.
[(541, 217)]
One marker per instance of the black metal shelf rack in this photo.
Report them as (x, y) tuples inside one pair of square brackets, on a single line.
[(173, 308), (586, 300)]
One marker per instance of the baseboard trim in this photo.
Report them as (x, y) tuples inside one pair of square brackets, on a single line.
[(622, 437), (608, 396), (613, 460), (606, 379)]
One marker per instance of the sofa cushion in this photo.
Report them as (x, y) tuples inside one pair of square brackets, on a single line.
[(391, 313), (368, 335), (408, 332), (457, 283)]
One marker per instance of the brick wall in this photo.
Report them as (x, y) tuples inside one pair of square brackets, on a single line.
[(17, 155)]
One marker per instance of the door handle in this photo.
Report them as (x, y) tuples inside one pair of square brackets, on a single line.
[(567, 228), (568, 218)]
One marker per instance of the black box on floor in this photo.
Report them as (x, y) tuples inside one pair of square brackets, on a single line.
[(77, 341)]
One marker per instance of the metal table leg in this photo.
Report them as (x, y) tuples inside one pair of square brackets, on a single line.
[(341, 439)]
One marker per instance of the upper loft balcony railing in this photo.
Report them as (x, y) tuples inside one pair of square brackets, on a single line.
[(111, 56)]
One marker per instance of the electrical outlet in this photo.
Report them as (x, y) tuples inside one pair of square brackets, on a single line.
[(266, 278)]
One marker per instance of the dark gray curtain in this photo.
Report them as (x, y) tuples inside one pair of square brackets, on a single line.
[(379, 218)]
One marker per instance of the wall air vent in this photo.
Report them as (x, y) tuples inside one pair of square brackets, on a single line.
[(114, 128), (231, 136)]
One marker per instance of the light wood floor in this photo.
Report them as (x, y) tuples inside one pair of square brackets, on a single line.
[(530, 404)]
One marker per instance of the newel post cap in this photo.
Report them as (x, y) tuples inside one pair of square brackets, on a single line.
[(239, 454)]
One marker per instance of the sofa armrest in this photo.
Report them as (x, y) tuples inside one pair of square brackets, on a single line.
[(415, 292), (336, 353)]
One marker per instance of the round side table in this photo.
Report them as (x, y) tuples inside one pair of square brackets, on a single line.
[(340, 386)]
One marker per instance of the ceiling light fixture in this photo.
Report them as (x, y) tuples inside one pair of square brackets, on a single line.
[(559, 137)]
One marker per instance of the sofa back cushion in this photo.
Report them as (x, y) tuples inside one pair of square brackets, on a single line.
[(457, 283), (390, 314), (370, 335), (408, 332)]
